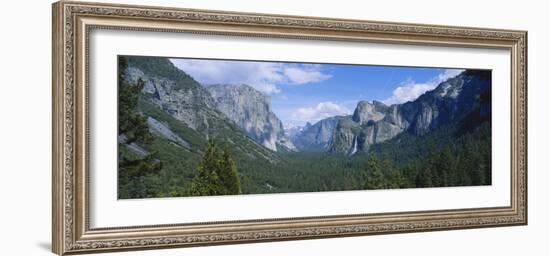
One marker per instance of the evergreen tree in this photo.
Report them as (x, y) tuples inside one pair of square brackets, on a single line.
[(207, 181), (228, 173), (217, 173), (133, 127), (393, 176), (374, 176), (424, 177), (446, 167), (130, 123)]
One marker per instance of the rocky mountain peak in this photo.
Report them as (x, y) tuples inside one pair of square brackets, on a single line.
[(379, 105), (239, 92), (251, 111), (367, 111), (450, 88)]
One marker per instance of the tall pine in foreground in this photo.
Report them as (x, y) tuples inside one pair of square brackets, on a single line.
[(132, 128), (228, 174), (217, 173)]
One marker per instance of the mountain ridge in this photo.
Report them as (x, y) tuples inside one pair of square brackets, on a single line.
[(374, 122), (169, 91)]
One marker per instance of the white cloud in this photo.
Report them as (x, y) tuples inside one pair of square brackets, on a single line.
[(410, 90), (304, 76), (264, 76), (322, 110), (448, 73)]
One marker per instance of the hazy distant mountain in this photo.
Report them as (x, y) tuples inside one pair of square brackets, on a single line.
[(316, 137), (293, 130)]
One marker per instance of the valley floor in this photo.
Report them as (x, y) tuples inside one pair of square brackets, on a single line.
[(445, 158)]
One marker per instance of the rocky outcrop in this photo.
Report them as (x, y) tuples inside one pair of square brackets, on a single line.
[(251, 111), (162, 130), (135, 148), (344, 137), (367, 111), (188, 102)]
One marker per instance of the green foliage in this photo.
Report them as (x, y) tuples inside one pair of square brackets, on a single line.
[(139, 167), (217, 173), (130, 123), (162, 67), (228, 174), (374, 178), (132, 128), (381, 174), (179, 163), (301, 172), (194, 138), (450, 161), (464, 162)]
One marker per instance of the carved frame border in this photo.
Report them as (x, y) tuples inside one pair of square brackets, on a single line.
[(72, 22)]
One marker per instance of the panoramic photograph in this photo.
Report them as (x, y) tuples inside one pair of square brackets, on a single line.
[(214, 127)]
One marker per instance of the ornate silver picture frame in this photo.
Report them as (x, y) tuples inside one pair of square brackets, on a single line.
[(74, 21)]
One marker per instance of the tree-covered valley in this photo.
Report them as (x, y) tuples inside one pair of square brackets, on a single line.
[(177, 137)]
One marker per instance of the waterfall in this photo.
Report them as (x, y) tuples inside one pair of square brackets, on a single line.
[(354, 150)]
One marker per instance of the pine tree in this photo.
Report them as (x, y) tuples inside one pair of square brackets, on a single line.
[(374, 176), (133, 127), (228, 173), (394, 176), (444, 166), (217, 173)]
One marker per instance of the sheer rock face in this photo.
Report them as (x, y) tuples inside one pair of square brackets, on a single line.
[(366, 111), (188, 103), (344, 136), (373, 123), (251, 111)]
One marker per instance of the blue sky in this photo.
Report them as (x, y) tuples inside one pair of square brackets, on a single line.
[(303, 93)]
